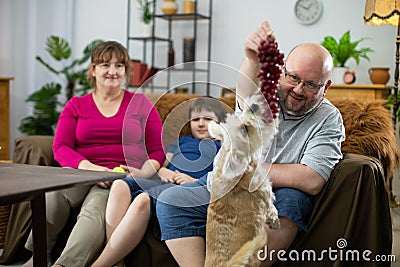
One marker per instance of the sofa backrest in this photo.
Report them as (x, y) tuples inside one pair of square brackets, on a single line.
[(173, 110), (368, 124)]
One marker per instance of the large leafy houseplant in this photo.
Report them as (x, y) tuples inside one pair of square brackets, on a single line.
[(72, 74), (344, 49)]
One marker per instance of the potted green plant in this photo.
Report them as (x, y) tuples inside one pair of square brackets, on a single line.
[(46, 100), (344, 49), (145, 9)]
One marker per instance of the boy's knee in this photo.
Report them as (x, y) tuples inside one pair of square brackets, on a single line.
[(169, 196)]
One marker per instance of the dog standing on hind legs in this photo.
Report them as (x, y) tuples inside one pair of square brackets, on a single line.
[(241, 192)]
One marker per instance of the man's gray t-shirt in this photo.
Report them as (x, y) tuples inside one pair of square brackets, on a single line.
[(313, 139)]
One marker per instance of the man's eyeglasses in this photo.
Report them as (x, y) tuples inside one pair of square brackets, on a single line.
[(106, 66), (307, 85)]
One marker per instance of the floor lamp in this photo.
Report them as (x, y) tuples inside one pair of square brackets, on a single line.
[(378, 12)]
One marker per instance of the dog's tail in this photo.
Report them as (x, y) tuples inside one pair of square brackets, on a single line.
[(248, 251)]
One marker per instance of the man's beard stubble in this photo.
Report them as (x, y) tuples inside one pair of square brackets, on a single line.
[(295, 110)]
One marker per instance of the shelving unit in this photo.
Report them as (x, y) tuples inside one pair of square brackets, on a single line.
[(149, 42)]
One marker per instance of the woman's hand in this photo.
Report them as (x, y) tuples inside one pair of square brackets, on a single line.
[(87, 165), (149, 168), (105, 184), (182, 178)]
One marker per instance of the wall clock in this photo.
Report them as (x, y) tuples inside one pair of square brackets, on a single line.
[(308, 11)]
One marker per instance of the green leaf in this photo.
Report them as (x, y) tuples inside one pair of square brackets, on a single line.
[(87, 51), (58, 48)]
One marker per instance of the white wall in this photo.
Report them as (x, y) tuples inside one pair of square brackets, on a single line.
[(25, 25), (232, 21), (231, 27)]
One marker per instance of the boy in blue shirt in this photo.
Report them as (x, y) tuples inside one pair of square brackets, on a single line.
[(131, 204)]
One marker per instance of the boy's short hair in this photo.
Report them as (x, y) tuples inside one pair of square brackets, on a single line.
[(210, 104)]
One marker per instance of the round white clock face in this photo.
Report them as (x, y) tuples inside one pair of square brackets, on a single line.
[(308, 11)]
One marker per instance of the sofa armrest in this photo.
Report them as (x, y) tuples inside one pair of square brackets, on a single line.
[(354, 206), (35, 150)]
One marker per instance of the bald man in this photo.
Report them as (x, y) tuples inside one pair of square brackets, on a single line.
[(307, 149)]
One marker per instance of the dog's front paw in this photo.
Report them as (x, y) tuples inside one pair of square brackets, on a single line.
[(273, 219), (274, 223)]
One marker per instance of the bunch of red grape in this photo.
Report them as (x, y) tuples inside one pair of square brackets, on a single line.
[(271, 62)]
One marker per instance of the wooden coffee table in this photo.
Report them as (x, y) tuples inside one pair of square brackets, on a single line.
[(23, 182)]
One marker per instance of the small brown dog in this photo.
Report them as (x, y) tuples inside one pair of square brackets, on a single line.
[(241, 192)]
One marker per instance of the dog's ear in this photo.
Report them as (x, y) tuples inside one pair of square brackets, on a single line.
[(235, 166), (260, 177)]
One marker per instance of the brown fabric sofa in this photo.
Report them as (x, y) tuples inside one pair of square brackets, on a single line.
[(353, 207)]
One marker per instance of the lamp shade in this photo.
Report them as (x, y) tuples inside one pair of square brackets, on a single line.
[(378, 12)]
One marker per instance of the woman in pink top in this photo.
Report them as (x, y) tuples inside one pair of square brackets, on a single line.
[(106, 128)]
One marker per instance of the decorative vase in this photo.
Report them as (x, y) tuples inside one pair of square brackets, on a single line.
[(169, 7), (188, 49), (189, 6), (171, 55), (379, 75), (338, 75)]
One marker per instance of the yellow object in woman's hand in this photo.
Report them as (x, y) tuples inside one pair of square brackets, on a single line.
[(119, 169)]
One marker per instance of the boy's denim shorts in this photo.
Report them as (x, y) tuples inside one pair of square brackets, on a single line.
[(182, 211)]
